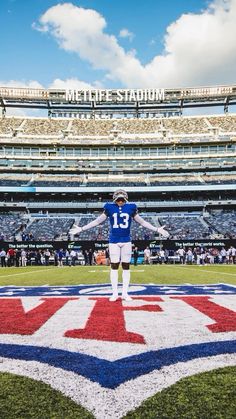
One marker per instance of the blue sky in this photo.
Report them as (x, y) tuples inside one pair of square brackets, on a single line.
[(117, 43)]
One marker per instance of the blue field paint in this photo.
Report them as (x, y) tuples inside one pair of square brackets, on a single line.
[(111, 374), (93, 290)]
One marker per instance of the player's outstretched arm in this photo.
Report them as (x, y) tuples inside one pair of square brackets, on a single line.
[(77, 229), (163, 232), (148, 225)]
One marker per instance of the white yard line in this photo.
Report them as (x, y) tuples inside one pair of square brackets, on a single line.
[(204, 270), (25, 273)]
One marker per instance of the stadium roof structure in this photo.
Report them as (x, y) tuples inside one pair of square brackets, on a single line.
[(119, 102)]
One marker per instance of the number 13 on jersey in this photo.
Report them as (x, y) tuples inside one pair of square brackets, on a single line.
[(125, 220)]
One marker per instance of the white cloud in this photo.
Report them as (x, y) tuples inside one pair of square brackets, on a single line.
[(72, 84), (55, 84), (199, 49), (83, 31), (125, 33), (21, 83)]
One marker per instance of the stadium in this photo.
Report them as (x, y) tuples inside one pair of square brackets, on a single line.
[(60, 170)]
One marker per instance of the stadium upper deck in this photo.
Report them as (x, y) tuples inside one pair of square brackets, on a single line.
[(137, 102), (127, 145), (138, 145), (99, 151), (195, 127)]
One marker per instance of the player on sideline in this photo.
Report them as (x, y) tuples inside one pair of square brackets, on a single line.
[(120, 213)]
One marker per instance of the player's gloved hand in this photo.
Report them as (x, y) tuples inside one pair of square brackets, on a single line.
[(75, 230), (163, 232)]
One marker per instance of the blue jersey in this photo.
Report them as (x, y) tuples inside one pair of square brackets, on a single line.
[(120, 221)]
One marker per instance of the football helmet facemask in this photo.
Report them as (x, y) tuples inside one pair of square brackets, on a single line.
[(120, 193)]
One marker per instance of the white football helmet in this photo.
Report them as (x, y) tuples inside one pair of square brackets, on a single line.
[(120, 193)]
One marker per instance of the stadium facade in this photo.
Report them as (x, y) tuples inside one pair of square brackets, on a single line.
[(180, 170)]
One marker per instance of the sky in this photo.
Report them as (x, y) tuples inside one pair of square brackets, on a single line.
[(117, 43)]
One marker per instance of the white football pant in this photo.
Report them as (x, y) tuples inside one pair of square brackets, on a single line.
[(120, 252)]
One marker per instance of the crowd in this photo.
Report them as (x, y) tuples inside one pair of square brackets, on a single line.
[(22, 257), (105, 127), (189, 256), (88, 257)]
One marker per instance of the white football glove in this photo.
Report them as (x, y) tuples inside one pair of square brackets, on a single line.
[(163, 232), (75, 230)]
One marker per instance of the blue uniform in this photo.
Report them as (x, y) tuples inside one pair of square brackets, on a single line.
[(120, 221)]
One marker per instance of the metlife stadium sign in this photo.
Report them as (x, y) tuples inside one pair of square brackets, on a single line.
[(119, 100), (119, 95), (125, 95)]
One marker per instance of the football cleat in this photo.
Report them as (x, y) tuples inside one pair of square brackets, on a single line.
[(113, 298), (126, 297)]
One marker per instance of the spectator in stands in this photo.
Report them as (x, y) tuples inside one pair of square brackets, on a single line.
[(147, 255), (37, 256), (42, 257), (18, 258), (166, 255), (3, 258), (223, 255), (91, 257), (86, 257), (197, 255), (67, 256), (120, 213), (11, 257), (73, 256), (181, 253), (202, 256), (34, 257), (30, 236), (107, 256), (232, 254), (94, 258), (55, 258), (61, 255), (189, 256), (211, 256), (136, 255), (162, 256), (47, 255), (216, 254), (23, 258), (227, 256)]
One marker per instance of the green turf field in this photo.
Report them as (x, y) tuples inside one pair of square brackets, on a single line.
[(207, 395), (141, 274)]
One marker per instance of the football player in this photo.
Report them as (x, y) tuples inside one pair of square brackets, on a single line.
[(120, 213)]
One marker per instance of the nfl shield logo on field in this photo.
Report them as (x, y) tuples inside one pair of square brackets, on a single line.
[(80, 343)]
